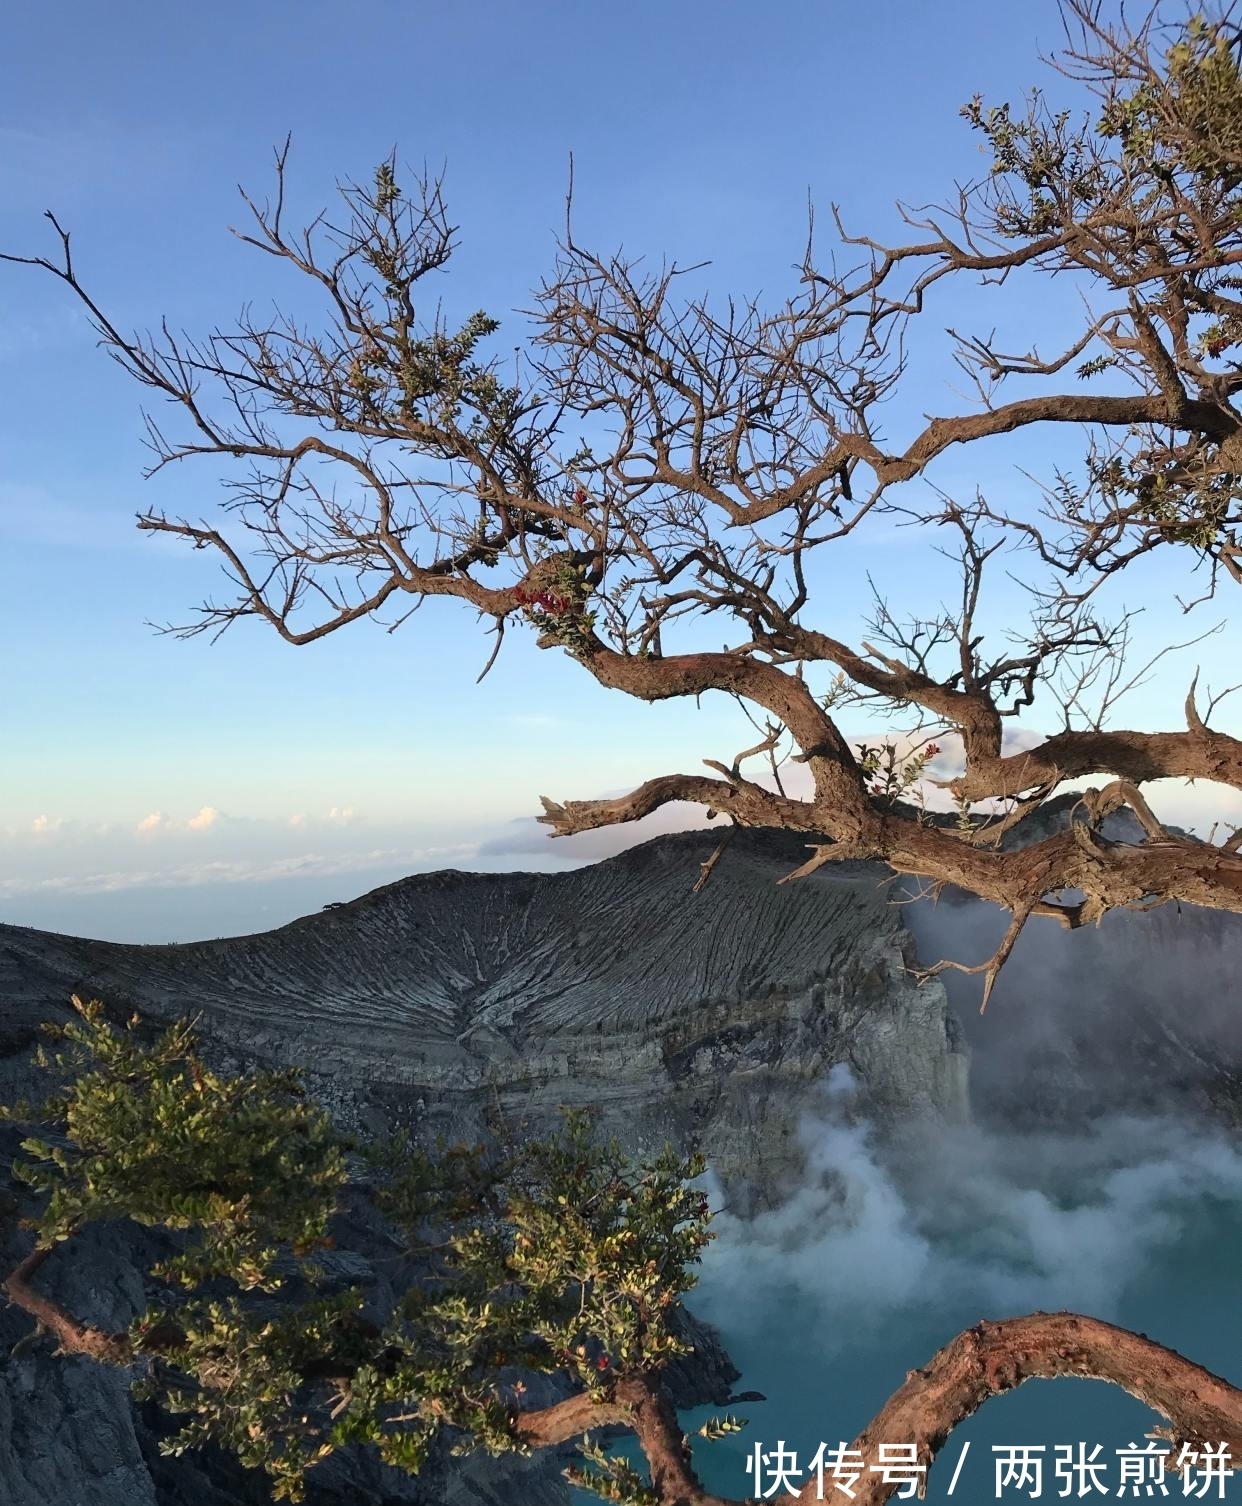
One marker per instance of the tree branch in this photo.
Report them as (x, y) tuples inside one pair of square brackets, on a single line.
[(569, 1419), (71, 1336), (994, 1358)]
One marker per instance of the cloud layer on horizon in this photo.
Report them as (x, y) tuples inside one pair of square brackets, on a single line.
[(51, 856)]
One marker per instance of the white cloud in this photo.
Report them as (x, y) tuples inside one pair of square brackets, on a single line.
[(242, 870), (44, 824), (342, 815), (525, 835), (298, 819), (156, 821), (977, 1215), (206, 818), (1198, 806)]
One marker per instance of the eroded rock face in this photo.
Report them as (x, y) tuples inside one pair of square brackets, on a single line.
[(478, 1004), (67, 1433)]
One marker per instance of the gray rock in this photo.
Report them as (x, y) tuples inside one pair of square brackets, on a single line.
[(476, 1006), (708, 1019), (68, 1435)]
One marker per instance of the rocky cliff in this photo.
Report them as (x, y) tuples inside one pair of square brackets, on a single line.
[(474, 1004)]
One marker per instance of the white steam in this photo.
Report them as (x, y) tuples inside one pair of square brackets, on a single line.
[(1004, 1222)]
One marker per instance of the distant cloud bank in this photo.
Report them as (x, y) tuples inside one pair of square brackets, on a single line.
[(54, 867)]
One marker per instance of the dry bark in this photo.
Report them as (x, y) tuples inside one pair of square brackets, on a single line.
[(993, 1358), (72, 1337), (985, 1361)]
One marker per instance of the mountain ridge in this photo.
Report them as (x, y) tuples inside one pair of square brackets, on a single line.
[(706, 1017)]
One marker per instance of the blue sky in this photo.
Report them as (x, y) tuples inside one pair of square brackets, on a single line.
[(159, 789)]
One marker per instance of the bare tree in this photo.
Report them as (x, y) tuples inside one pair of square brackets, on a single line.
[(380, 459)]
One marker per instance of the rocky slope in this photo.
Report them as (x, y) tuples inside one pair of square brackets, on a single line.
[(473, 1005), (476, 1004), (71, 1435)]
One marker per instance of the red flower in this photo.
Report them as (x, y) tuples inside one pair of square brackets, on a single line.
[(602, 1363), (580, 495), (932, 749), (546, 601)]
